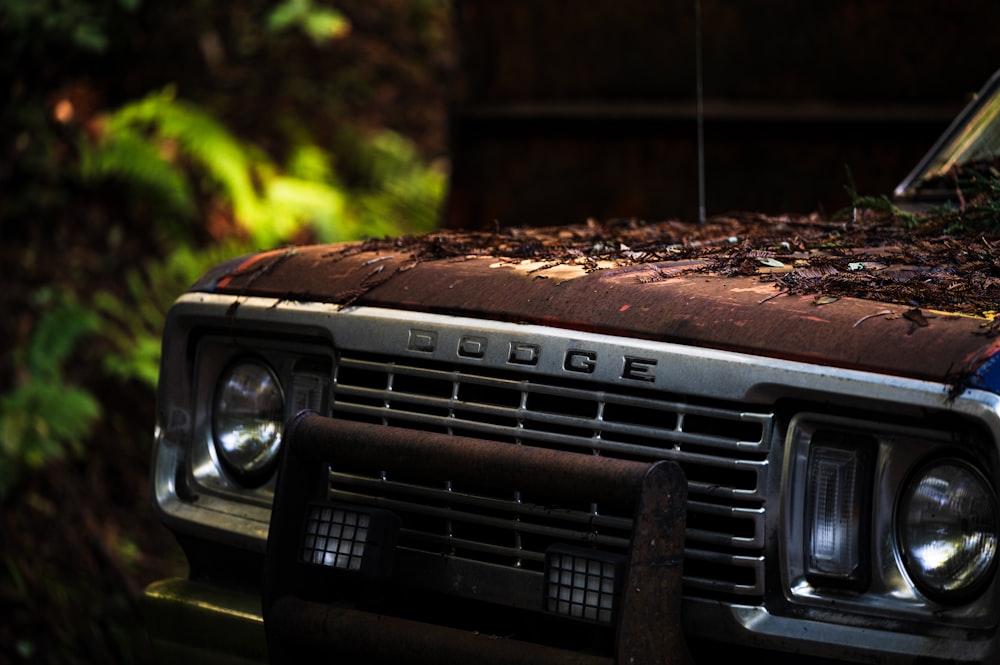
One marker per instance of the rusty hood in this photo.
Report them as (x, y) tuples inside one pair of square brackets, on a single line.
[(679, 293)]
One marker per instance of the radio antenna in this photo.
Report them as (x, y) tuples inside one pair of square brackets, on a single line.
[(699, 111)]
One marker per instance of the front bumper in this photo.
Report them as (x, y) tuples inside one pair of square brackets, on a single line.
[(295, 621)]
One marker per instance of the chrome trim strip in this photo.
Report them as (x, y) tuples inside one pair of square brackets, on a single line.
[(692, 370)]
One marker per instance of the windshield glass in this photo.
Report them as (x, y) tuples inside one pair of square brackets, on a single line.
[(972, 141)]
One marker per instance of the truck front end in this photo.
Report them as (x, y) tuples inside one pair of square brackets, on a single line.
[(376, 453)]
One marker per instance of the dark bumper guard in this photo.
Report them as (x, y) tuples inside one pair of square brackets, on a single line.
[(297, 621)]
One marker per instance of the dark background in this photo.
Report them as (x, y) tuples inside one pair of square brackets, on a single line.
[(568, 110), (548, 112)]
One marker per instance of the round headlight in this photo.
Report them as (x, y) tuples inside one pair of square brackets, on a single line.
[(247, 420), (947, 519)]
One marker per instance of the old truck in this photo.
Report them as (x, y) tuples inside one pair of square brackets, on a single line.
[(619, 442)]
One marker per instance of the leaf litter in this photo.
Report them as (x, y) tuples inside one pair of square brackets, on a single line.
[(916, 262)]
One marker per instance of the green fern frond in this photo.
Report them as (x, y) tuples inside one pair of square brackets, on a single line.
[(295, 203), (131, 158), (55, 335), (400, 193), (310, 162), (133, 322), (45, 416), (172, 130)]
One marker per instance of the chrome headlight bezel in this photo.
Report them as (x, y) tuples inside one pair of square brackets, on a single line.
[(886, 589), (302, 367)]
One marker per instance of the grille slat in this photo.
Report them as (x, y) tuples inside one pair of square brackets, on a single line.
[(372, 492), (526, 422), (459, 545), (722, 448)]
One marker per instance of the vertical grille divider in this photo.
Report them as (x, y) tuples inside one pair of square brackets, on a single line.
[(518, 540), (449, 525)]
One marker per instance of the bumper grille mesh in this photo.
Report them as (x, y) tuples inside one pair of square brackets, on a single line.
[(722, 449)]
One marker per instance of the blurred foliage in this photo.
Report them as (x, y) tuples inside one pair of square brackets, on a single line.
[(164, 148), (39, 24), (174, 165), (45, 416), (143, 142), (318, 22)]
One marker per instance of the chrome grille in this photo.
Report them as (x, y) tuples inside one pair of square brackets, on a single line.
[(722, 449)]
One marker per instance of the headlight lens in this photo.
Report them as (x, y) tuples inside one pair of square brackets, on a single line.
[(948, 529), (247, 420)]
